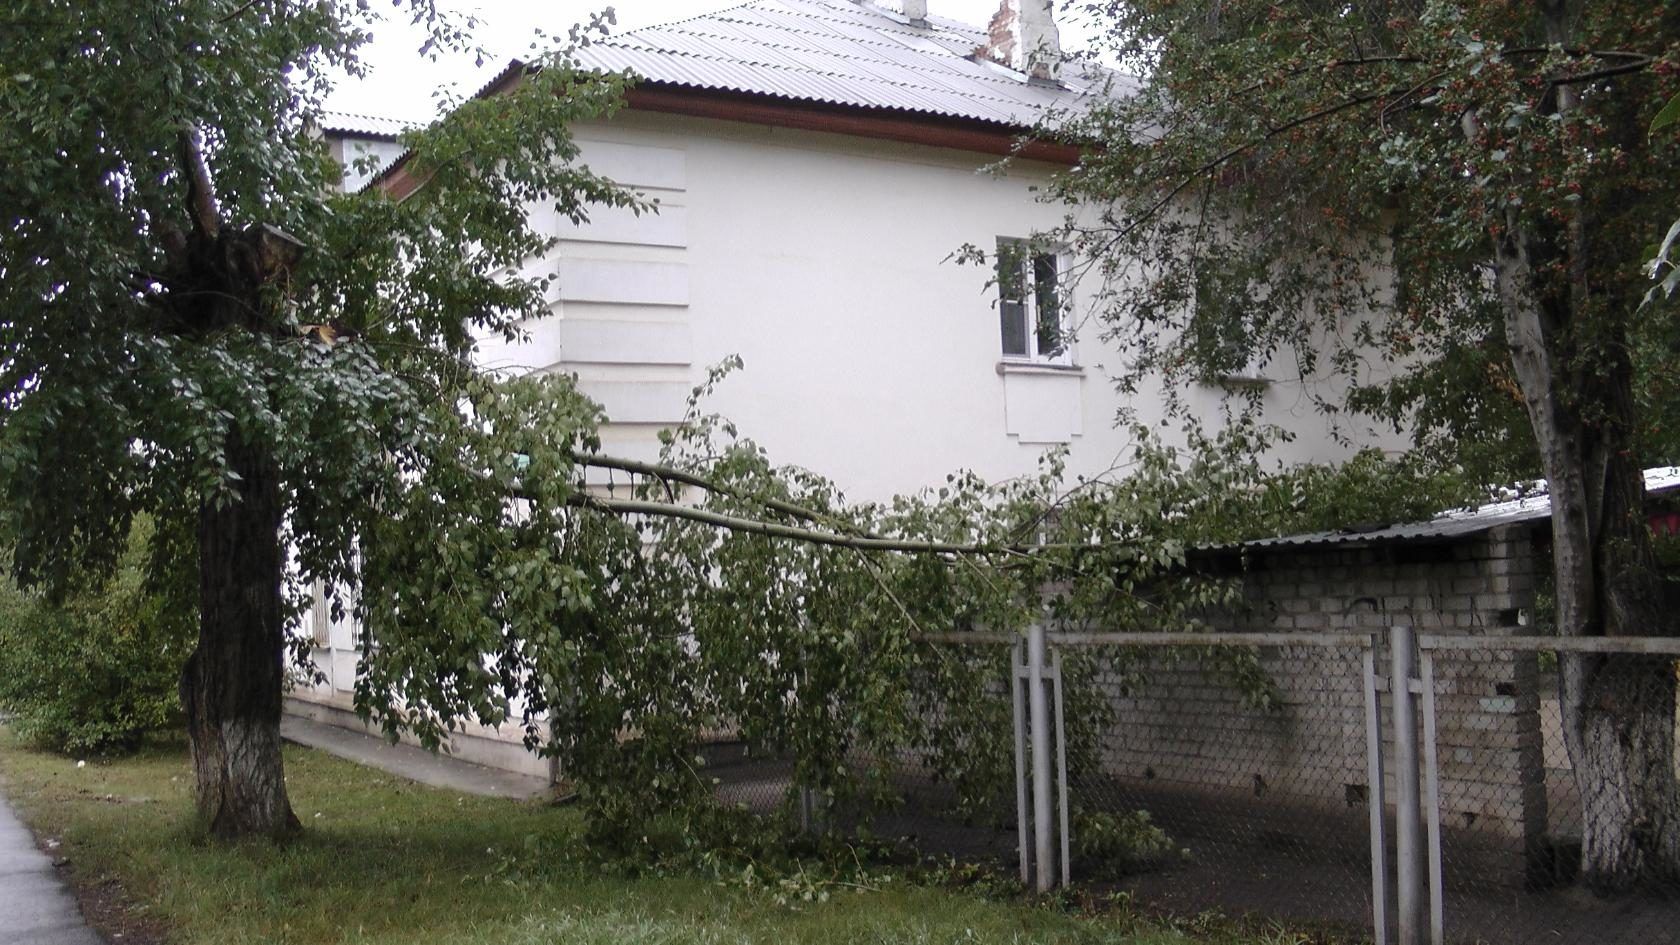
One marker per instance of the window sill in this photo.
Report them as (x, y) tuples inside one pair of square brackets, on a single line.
[(1039, 367)]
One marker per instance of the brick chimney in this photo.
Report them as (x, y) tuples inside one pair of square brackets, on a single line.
[(916, 12), (1023, 36)]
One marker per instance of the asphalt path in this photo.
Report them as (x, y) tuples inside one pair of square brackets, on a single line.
[(36, 908)]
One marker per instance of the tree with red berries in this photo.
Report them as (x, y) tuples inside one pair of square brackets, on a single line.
[(1441, 211)]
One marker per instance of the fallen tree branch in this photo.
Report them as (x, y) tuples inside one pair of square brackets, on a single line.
[(737, 523), (672, 474)]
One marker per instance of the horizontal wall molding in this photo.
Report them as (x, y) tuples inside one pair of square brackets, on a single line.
[(629, 282), (667, 227), (636, 165), (597, 341), (639, 401)]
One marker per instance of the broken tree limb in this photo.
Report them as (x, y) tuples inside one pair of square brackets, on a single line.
[(737, 523), (672, 474), (202, 208)]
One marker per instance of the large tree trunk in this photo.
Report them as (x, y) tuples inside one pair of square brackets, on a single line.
[(1622, 746), (231, 687), (226, 280), (1568, 341), (1618, 710)]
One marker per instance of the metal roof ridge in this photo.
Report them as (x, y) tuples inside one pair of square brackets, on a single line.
[(892, 25), (889, 26), (937, 23), (999, 99), (882, 44), (982, 75), (686, 19), (684, 26)]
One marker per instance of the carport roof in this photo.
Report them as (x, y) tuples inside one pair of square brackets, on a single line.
[(1532, 506)]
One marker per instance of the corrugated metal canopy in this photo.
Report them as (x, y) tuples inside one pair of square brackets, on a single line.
[(1448, 525), (841, 52)]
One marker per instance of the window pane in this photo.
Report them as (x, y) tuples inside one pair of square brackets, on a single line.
[(1012, 296), (1014, 315), (1047, 294), (1011, 267)]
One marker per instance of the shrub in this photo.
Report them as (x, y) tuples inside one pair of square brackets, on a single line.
[(92, 673), (1110, 846)]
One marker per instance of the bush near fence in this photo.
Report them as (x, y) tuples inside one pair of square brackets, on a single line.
[(1263, 806)]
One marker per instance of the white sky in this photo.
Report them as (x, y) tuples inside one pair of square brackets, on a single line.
[(401, 83)]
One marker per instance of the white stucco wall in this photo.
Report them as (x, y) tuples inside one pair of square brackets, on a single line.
[(824, 262)]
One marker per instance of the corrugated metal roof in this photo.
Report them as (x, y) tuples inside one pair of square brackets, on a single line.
[(363, 126), (1454, 524), (847, 52), (837, 52)]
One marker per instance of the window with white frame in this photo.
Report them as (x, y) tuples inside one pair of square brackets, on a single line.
[(1031, 304)]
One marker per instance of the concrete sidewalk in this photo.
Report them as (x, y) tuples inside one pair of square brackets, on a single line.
[(409, 761), (36, 908)]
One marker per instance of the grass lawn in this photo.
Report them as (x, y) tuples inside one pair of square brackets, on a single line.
[(388, 861)]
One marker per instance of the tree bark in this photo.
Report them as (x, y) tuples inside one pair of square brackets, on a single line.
[(231, 687), (1568, 343), (1624, 765), (1618, 710), (223, 280)]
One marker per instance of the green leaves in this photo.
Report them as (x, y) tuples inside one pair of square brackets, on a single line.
[(491, 588), (1662, 268), (1341, 175), (1667, 115), (122, 376), (92, 673)]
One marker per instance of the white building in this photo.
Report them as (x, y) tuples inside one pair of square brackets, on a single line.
[(817, 164), (361, 144)]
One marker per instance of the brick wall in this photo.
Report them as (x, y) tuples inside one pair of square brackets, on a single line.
[(1187, 727)]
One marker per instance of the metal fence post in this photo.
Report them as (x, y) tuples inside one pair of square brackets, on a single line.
[(1061, 767), (1038, 715), (1018, 680), (1432, 798), (1408, 827), (1374, 797)]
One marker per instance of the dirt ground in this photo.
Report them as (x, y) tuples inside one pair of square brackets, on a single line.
[(1307, 867)]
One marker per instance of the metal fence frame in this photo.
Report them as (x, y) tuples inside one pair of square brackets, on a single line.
[(1426, 646), (1041, 788)]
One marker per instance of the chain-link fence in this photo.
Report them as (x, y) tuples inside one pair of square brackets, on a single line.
[(1256, 773), (1539, 758), (1252, 761)]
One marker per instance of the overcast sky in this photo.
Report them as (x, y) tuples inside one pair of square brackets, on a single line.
[(401, 83)]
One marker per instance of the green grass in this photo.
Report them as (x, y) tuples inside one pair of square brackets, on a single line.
[(387, 861)]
